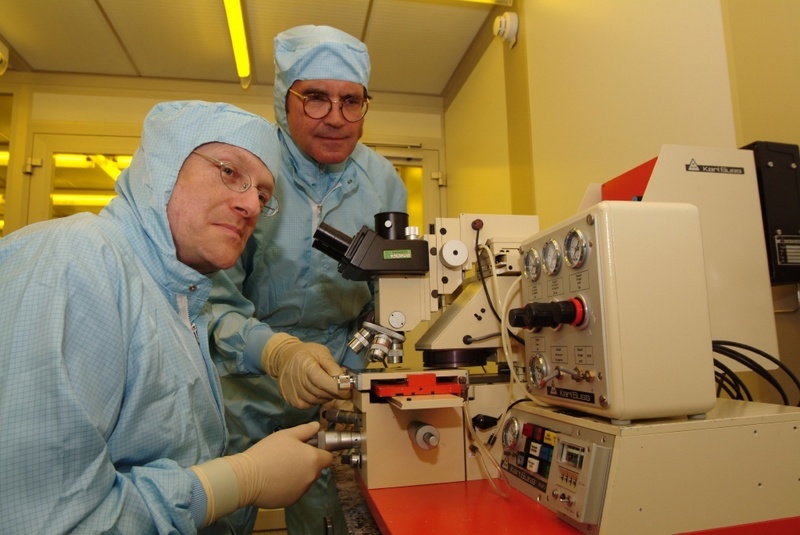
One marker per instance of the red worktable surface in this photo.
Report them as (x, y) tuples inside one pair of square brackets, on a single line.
[(473, 507), (459, 508)]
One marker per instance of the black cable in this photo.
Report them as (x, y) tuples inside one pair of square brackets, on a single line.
[(752, 365), (766, 355), (515, 403), (486, 289), (721, 385), (739, 385), (493, 437)]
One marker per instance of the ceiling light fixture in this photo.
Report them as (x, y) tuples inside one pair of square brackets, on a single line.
[(494, 2), (73, 161), (78, 199), (3, 158), (233, 12)]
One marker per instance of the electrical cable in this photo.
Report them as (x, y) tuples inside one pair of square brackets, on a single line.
[(506, 344), (721, 385), (752, 365), (764, 354), (727, 375), (734, 379), (478, 247), (484, 453)]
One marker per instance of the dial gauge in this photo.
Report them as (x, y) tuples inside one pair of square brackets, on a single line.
[(575, 248), (537, 371), (532, 263), (511, 433), (551, 257)]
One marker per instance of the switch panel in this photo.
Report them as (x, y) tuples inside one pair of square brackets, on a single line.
[(558, 467)]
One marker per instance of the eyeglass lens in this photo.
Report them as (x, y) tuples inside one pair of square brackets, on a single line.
[(237, 180), (240, 181), (318, 106)]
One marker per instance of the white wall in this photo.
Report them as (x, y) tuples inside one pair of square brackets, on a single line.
[(612, 81), (476, 141)]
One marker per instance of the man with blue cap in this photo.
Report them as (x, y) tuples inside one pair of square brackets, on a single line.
[(110, 406), (285, 309)]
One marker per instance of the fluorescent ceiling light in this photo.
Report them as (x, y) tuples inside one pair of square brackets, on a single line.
[(77, 199), (73, 161), (494, 2), (233, 11), (111, 166)]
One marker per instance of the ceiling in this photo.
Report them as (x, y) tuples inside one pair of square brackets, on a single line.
[(415, 45)]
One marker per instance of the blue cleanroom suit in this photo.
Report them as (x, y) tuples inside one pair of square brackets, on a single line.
[(107, 390), (282, 284)]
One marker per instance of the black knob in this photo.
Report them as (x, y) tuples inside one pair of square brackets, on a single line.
[(516, 317), (550, 314)]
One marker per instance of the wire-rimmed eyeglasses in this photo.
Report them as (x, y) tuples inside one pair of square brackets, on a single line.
[(235, 179), (317, 106)]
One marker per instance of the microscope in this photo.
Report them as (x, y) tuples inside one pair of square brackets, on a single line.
[(411, 425)]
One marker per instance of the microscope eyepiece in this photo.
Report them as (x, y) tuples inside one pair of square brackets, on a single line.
[(331, 241)]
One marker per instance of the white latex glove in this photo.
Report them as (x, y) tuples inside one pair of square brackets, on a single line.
[(305, 371), (274, 473)]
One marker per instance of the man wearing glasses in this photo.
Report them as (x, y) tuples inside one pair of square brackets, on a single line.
[(285, 309), (110, 406)]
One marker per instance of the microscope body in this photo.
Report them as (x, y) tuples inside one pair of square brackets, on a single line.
[(411, 424)]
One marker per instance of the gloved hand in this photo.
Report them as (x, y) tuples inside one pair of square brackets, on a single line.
[(274, 473), (305, 371)]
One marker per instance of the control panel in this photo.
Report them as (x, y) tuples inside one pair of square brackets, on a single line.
[(670, 475), (558, 464), (615, 313)]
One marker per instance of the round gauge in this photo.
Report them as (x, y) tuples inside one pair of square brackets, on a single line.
[(532, 263), (551, 257), (511, 433), (575, 248), (537, 371)]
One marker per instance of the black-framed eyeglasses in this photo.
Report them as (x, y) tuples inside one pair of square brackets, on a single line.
[(235, 179), (317, 106)]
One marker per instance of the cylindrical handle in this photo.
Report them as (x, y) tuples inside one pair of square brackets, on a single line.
[(423, 435)]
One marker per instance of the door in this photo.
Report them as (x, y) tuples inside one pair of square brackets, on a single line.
[(419, 168)]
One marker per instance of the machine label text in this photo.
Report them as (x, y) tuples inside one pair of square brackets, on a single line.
[(701, 168), (527, 477), (574, 395), (397, 254)]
